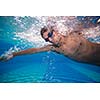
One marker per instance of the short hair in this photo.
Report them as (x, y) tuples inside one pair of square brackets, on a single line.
[(43, 30)]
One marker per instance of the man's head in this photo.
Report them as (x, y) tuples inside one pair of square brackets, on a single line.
[(49, 35)]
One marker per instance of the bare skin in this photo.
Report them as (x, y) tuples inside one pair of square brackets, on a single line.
[(74, 46)]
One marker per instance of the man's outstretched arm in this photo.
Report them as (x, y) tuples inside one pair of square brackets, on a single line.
[(33, 50), (27, 51)]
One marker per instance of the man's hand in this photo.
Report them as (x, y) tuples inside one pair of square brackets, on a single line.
[(6, 57)]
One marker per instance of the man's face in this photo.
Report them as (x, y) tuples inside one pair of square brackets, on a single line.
[(48, 36), (51, 37)]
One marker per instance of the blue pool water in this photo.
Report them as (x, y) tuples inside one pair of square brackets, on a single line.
[(47, 67)]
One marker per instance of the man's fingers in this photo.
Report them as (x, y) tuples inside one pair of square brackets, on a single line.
[(6, 58), (0, 58)]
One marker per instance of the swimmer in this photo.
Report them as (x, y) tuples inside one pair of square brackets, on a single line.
[(74, 46)]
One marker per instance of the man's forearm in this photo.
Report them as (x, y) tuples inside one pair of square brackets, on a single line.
[(28, 51), (33, 50)]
